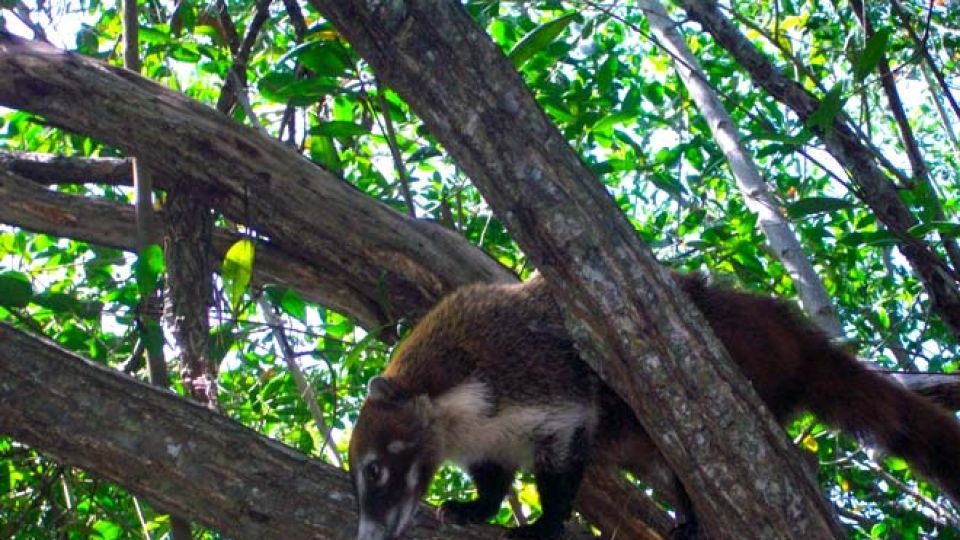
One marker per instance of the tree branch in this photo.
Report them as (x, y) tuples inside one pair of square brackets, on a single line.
[(872, 186), (251, 178), (633, 326), (753, 188), (190, 461)]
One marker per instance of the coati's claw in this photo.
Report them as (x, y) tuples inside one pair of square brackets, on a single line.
[(462, 513), (537, 531)]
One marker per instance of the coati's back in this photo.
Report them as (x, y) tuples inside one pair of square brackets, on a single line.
[(490, 361), (509, 336)]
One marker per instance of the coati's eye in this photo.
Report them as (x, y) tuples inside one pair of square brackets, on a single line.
[(374, 472)]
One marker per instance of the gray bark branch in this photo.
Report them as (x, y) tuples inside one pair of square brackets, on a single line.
[(752, 186), (189, 460)]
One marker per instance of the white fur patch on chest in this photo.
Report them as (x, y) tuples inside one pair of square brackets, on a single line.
[(471, 428)]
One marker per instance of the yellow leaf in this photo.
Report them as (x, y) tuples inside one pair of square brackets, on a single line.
[(810, 443), (794, 21)]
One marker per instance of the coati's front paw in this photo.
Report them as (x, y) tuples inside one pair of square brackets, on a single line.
[(464, 513), (686, 531), (540, 530)]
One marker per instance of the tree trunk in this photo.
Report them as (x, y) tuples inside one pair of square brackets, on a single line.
[(635, 328)]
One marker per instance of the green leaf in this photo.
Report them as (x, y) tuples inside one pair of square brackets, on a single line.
[(237, 270), (823, 117), (896, 464), (15, 289), (152, 336), (289, 301), (338, 129), (611, 120), (147, 270), (874, 238), (107, 530), (942, 227), (324, 153), (282, 87), (816, 205), (154, 36), (57, 302), (322, 57), (538, 39), (873, 51), (185, 52)]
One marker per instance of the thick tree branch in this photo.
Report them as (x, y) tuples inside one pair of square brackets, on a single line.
[(25, 204), (636, 329), (52, 169), (872, 186), (189, 460), (251, 178)]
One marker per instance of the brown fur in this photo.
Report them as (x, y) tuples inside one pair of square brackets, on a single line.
[(512, 339)]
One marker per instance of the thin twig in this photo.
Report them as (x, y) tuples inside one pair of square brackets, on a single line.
[(387, 127), (303, 386)]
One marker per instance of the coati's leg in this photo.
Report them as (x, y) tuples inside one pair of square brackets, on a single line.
[(687, 526), (492, 481), (557, 483)]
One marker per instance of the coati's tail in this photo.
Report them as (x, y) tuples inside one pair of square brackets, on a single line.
[(845, 393)]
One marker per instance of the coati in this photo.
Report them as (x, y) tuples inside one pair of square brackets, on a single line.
[(491, 381)]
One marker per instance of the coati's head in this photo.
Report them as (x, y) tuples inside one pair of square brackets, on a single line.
[(392, 459)]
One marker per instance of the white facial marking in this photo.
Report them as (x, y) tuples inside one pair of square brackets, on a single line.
[(409, 508), (413, 476), (395, 447), (384, 476), (370, 530)]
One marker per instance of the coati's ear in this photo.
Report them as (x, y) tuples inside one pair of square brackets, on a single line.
[(422, 406), (381, 389)]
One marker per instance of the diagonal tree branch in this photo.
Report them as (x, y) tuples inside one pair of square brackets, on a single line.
[(191, 461), (637, 331), (753, 188), (250, 177)]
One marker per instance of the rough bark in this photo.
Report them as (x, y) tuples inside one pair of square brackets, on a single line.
[(187, 249), (53, 169), (189, 460), (251, 178), (841, 141), (25, 204), (752, 186), (635, 328)]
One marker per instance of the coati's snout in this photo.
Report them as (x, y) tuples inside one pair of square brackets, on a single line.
[(390, 461)]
